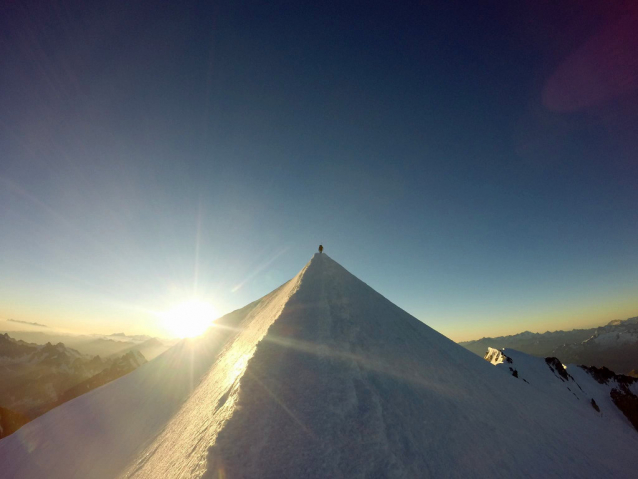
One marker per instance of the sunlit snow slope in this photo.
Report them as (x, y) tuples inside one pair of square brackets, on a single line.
[(323, 377)]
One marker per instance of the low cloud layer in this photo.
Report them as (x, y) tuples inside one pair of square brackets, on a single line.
[(27, 322)]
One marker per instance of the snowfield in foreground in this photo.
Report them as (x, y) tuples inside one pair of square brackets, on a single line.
[(322, 378)]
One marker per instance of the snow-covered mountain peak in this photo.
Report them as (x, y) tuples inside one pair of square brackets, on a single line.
[(323, 377)]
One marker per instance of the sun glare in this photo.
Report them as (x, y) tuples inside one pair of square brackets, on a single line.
[(190, 318)]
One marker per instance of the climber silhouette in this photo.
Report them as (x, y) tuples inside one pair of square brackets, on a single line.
[(320, 249)]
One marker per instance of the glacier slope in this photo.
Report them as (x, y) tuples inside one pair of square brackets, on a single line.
[(346, 384)]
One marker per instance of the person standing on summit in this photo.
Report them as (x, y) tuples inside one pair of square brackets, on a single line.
[(320, 249)]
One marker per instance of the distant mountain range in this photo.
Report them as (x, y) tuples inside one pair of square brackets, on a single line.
[(98, 345), (614, 345), (118, 368), (36, 378)]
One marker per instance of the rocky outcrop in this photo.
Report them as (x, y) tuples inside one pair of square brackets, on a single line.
[(496, 356), (557, 368), (594, 405)]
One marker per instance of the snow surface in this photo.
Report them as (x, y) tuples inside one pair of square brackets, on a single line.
[(577, 390), (323, 377)]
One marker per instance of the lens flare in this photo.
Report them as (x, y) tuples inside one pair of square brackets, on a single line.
[(190, 318)]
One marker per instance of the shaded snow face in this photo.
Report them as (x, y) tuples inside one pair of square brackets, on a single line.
[(598, 391)]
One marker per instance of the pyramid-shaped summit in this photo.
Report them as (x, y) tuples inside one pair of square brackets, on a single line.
[(321, 378)]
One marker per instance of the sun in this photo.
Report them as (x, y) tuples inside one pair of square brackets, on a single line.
[(190, 318)]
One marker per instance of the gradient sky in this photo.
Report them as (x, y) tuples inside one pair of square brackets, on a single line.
[(475, 164)]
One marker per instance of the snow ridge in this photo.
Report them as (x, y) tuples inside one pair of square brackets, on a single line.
[(323, 377), (346, 384)]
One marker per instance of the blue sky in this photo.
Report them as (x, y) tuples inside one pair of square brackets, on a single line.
[(476, 165)]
